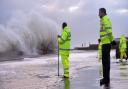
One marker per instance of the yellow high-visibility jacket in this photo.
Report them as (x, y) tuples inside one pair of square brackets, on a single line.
[(123, 43), (106, 35), (65, 41)]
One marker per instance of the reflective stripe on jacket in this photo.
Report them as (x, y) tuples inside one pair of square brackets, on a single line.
[(106, 35), (65, 40)]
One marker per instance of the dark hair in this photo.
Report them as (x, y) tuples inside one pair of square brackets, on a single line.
[(64, 25), (103, 10)]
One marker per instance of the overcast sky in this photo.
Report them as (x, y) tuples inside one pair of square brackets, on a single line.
[(81, 15)]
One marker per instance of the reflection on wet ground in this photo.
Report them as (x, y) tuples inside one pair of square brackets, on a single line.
[(67, 83), (86, 79), (89, 78)]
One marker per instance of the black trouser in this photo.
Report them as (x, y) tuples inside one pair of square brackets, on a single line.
[(106, 62)]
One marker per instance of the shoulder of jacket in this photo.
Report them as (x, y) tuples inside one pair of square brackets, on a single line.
[(105, 19), (66, 29)]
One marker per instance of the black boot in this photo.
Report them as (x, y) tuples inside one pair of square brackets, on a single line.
[(103, 82), (107, 85), (126, 58)]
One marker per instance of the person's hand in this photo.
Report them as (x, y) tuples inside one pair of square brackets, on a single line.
[(113, 42), (59, 36)]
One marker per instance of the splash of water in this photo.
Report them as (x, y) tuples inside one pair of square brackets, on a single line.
[(28, 33)]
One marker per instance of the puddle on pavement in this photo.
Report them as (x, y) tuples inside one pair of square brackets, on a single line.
[(42, 76)]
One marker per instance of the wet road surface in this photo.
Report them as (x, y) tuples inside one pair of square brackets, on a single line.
[(41, 73), (88, 78)]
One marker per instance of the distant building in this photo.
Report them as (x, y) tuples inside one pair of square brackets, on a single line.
[(89, 47), (95, 46)]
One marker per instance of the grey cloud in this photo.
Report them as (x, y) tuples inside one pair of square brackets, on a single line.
[(84, 20)]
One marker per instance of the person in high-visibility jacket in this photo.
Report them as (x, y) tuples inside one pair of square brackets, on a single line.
[(107, 39), (64, 48), (99, 49), (122, 47)]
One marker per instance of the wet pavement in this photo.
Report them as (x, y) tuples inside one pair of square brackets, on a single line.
[(88, 78), (41, 73)]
